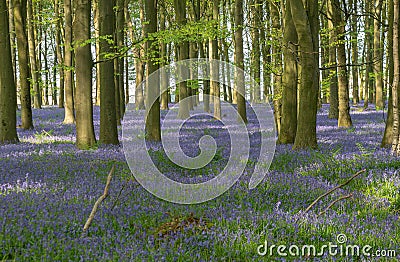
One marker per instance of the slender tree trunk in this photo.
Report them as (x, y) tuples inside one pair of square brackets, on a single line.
[(183, 53), (277, 65), (256, 51), (287, 133), (12, 38), (305, 18), (85, 137), (120, 26), (354, 50), (240, 88), (396, 80), (266, 54), (23, 63), (37, 103), (164, 78), (333, 83), (8, 93), (96, 23), (388, 135), (344, 107), (378, 58), (214, 67), (108, 121), (153, 130), (69, 117), (60, 51)]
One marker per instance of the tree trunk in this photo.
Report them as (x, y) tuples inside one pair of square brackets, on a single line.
[(305, 18), (287, 133), (8, 93), (396, 80), (354, 50), (69, 117), (37, 101), (277, 64), (59, 55), (120, 37), (163, 55), (333, 83), (153, 130), (344, 107), (378, 58), (240, 88), (108, 121), (23, 63), (214, 67), (388, 134), (183, 53), (85, 137)]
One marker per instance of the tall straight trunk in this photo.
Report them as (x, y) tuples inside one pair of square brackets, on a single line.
[(266, 54), (396, 80), (183, 53), (69, 115), (153, 129), (239, 62), (333, 83), (305, 18), (369, 88), (96, 23), (256, 51), (378, 56), (214, 67), (163, 55), (37, 101), (8, 93), (120, 26), (59, 55), (138, 53), (85, 137), (23, 63), (287, 133), (388, 134), (108, 120), (354, 51), (344, 106), (206, 83), (12, 38), (46, 72), (277, 64)]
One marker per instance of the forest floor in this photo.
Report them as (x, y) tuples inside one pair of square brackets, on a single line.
[(48, 189)]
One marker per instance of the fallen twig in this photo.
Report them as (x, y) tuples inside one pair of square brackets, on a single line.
[(98, 202), (334, 202), (333, 189)]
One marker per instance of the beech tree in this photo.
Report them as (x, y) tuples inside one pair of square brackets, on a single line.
[(108, 116), (83, 60), (8, 94), (305, 19)]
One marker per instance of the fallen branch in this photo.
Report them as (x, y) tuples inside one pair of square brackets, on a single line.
[(98, 202), (334, 202), (333, 189)]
